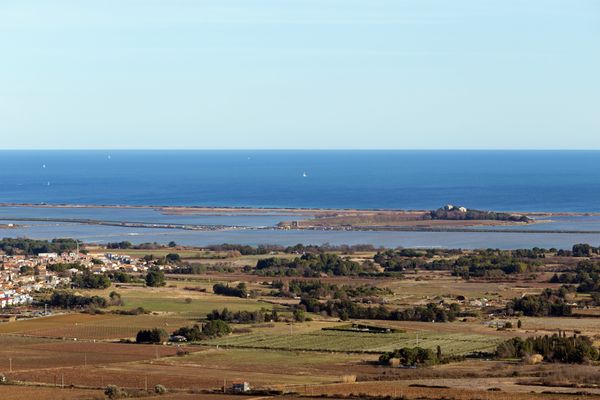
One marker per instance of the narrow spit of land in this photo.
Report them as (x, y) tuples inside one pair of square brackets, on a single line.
[(313, 219)]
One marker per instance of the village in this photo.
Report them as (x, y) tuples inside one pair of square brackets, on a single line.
[(23, 275)]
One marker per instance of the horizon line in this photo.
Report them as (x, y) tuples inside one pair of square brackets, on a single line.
[(297, 149)]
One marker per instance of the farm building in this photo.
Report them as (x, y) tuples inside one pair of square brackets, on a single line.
[(240, 387)]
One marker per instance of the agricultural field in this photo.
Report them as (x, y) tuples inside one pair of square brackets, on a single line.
[(437, 391), (18, 353), (325, 340), (87, 348), (178, 300), (92, 327), (48, 393)]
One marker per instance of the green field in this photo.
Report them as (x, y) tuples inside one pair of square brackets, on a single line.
[(173, 300), (199, 307), (451, 343)]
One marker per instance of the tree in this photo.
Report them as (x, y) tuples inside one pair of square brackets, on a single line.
[(151, 336), (173, 258), (192, 334), (226, 290), (216, 328), (299, 315), (519, 324), (155, 278), (115, 299), (88, 280), (172, 244)]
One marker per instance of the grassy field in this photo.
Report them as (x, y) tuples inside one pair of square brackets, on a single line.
[(97, 327), (451, 343), (174, 300)]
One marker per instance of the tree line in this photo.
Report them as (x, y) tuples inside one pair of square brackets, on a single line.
[(346, 309), (556, 348)]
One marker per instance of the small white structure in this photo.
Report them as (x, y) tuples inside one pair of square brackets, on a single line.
[(48, 255)]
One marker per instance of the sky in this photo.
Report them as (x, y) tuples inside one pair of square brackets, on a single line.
[(300, 74)]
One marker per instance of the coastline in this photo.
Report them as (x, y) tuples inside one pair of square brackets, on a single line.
[(315, 219), (182, 210)]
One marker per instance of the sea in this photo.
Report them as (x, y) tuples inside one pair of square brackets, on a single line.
[(525, 181)]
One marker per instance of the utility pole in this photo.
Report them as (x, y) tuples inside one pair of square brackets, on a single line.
[(62, 378), (417, 339), (10, 364), (146, 383)]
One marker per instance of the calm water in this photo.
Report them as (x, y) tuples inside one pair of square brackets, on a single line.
[(467, 240), (495, 180), (498, 180)]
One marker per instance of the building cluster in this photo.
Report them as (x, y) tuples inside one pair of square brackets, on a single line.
[(22, 275)]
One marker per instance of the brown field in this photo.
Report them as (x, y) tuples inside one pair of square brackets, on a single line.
[(182, 373), (48, 393), (462, 392), (29, 353), (302, 359), (92, 327)]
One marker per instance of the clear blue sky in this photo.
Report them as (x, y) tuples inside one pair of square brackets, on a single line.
[(300, 74)]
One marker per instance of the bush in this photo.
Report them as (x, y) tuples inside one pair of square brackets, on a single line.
[(114, 392), (160, 389), (299, 315)]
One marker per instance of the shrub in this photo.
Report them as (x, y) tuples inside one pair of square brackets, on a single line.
[(160, 389), (114, 392)]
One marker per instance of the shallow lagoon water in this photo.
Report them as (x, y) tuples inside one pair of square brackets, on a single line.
[(466, 240), (566, 181), (252, 236)]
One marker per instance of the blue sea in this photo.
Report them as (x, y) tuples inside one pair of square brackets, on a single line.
[(494, 180), (560, 181)]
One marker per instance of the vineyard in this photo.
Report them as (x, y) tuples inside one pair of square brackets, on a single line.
[(360, 342)]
